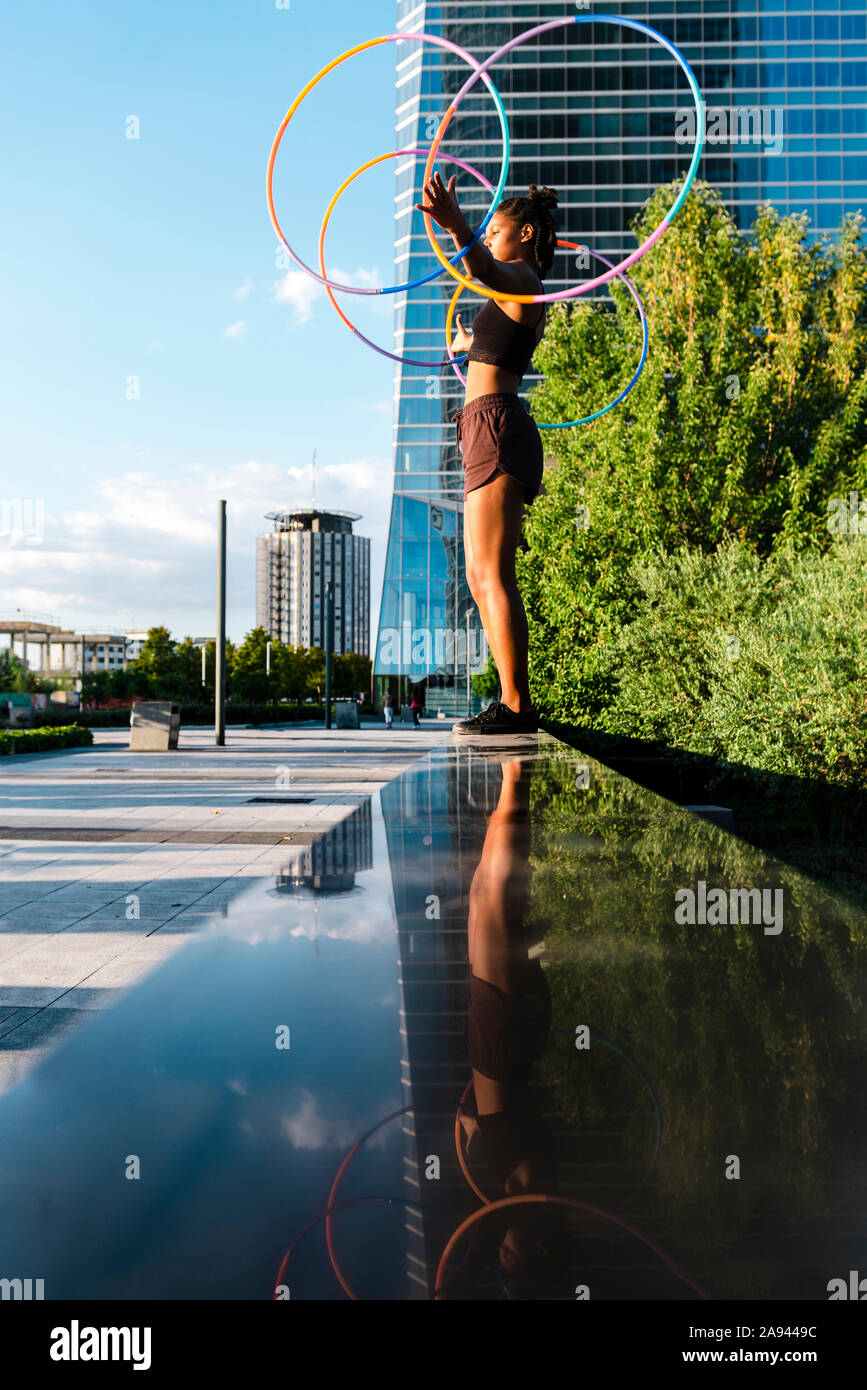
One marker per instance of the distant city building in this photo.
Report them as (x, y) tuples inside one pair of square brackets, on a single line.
[(103, 651), (50, 650), (56, 651), (306, 549)]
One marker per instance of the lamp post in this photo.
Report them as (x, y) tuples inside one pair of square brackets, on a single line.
[(267, 658), (329, 642), (220, 654), (204, 660)]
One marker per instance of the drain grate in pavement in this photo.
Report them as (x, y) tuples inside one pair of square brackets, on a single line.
[(280, 800)]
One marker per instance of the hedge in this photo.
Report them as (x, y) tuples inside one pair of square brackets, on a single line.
[(752, 662), (42, 740)]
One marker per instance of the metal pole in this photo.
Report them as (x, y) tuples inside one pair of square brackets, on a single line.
[(329, 642), (469, 684), (220, 654), (267, 658), (204, 667)]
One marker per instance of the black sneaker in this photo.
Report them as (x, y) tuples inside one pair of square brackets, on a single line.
[(499, 719)]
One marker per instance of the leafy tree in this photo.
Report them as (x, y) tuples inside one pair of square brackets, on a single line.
[(351, 672), (156, 660), (313, 661), (187, 671), (13, 672), (749, 417), (170, 670), (289, 672), (249, 680)]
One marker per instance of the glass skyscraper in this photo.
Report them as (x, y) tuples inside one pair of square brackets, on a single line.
[(595, 111)]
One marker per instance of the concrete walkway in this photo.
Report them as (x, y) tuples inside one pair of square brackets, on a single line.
[(110, 859)]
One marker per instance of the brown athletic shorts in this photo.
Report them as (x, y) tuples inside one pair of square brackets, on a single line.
[(497, 434), (507, 1033)]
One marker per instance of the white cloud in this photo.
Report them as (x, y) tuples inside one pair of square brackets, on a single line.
[(297, 288), (141, 549), (243, 290), (364, 279), (308, 1129), (236, 330), (301, 291), (361, 475)]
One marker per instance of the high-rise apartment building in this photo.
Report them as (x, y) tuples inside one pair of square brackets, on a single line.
[(598, 112), (307, 549)]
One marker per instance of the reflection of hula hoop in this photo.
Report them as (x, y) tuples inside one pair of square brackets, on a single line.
[(410, 362), (333, 1194), (570, 245), (487, 1206), (561, 1202), (654, 236), (372, 43), (343, 1206)]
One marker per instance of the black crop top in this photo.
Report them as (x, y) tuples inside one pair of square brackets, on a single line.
[(501, 341)]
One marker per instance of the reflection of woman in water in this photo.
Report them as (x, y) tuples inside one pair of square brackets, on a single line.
[(507, 1031)]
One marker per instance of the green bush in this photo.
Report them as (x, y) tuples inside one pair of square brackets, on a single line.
[(42, 740), (761, 663), (118, 718), (749, 419)]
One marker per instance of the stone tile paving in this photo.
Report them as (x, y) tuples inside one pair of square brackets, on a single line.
[(82, 920)]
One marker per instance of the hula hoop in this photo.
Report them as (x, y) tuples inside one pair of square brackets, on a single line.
[(343, 1206), (568, 424), (410, 362), (560, 1202), (359, 48), (654, 236), (332, 1197)]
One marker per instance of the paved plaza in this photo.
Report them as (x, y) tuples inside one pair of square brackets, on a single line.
[(110, 859)]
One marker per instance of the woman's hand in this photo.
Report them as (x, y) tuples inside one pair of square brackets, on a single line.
[(463, 340), (442, 204)]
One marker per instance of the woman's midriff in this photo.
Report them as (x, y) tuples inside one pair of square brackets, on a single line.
[(483, 379)]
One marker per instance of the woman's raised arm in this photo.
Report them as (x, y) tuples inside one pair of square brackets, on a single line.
[(506, 276)]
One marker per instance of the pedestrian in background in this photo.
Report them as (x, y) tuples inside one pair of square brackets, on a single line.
[(388, 708)]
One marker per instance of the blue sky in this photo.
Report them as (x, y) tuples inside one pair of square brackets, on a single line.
[(155, 258)]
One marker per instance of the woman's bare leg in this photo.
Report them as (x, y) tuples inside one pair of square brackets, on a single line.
[(470, 569), (492, 533)]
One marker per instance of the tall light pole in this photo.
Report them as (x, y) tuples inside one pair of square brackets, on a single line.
[(329, 643), (204, 663), (220, 654), (267, 658)]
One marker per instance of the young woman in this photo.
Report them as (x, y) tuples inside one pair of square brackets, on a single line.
[(501, 445)]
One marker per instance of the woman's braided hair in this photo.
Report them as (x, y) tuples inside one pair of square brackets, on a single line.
[(536, 207)]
